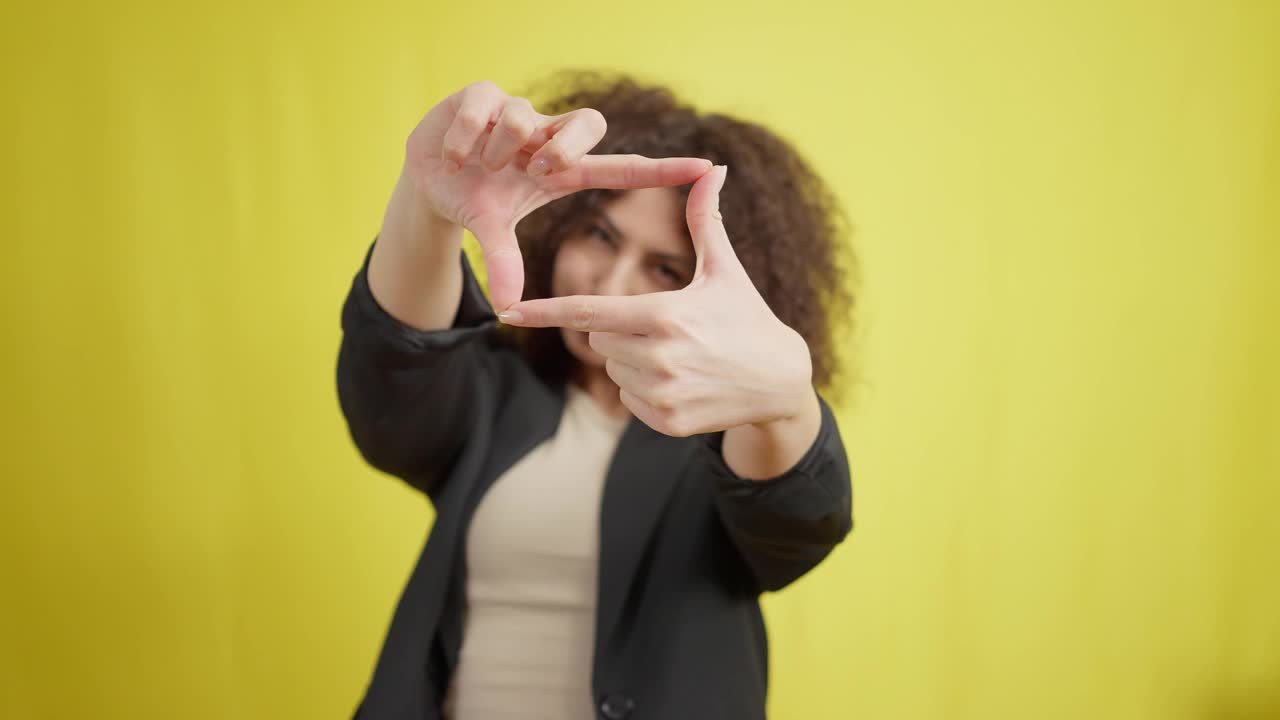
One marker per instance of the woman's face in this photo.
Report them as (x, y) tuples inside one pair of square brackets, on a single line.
[(637, 244)]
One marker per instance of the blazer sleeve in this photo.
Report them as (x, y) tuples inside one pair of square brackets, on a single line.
[(786, 525), (408, 394)]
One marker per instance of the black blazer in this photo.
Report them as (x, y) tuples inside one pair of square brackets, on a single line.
[(686, 545)]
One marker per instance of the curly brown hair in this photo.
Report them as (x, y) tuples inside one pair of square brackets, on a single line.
[(782, 220)]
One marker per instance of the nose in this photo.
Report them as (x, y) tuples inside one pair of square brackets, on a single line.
[(612, 278)]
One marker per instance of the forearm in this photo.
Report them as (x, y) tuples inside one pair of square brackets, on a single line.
[(409, 395), (413, 272), (785, 524)]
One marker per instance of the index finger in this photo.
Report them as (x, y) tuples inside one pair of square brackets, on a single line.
[(626, 172), (634, 314)]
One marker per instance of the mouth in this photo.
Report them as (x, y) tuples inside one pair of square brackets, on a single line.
[(580, 339)]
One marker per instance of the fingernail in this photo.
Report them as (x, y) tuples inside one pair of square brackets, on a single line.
[(511, 316), (724, 173), (539, 166)]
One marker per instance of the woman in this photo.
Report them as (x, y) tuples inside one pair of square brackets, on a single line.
[(636, 451)]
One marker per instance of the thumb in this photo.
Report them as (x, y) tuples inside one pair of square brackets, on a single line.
[(502, 260), (706, 226)]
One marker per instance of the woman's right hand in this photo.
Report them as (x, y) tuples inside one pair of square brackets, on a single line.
[(483, 159)]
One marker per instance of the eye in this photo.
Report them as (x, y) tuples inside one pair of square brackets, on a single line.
[(671, 275), (598, 231)]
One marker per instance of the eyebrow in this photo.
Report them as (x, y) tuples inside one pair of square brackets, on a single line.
[(683, 259)]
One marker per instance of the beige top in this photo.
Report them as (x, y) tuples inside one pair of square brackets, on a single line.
[(532, 556)]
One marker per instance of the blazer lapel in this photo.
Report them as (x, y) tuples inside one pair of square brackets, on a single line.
[(641, 477), (529, 420)]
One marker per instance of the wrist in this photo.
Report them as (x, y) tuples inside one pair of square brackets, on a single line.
[(794, 410), (800, 399), (412, 189)]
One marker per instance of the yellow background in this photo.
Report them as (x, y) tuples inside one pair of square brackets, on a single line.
[(1065, 441)]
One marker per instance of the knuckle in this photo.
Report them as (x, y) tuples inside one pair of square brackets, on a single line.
[(471, 121), (664, 364), (504, 251), (519, 128), (666, 395), (471, 94), (455, 150), (555, 154), (704, 219), (582, 316)]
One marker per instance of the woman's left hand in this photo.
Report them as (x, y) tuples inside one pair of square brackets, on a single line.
[(708, 357)]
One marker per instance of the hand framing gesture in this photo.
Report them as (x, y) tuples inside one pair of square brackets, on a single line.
[(484, 160), (708, 357)]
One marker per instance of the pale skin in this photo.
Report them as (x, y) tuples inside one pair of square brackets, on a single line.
[(674, 331), (665, 323)]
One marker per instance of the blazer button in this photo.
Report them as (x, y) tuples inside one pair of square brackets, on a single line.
[(617, 707)]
